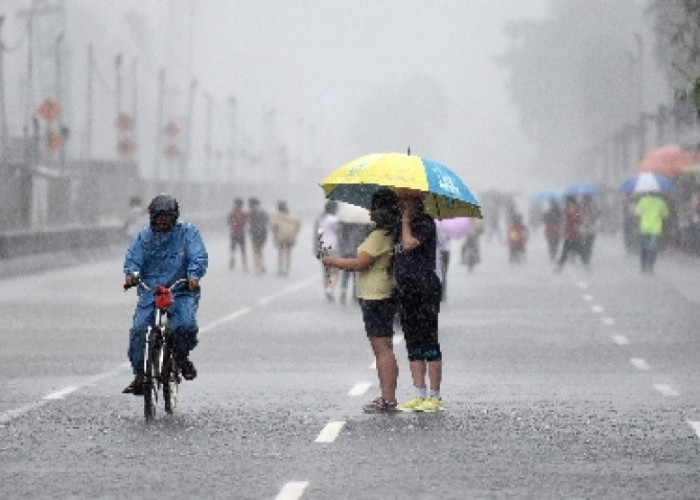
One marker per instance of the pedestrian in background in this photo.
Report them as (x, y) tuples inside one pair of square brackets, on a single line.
[(651, 211), (590, 216), (258, 222), (375, 291), (285, 228), (419, 300), (135, 219), (552, 220), (329, 225), (572, 232), (237, 219)]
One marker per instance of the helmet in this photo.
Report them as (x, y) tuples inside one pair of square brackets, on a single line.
[(163, 204)]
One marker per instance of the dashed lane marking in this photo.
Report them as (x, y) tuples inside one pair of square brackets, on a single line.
[(587, 297), (330, 432), (359, 389), (582, 285), (293, 490), (666, 390), (607, 321), (63, 392), (695, 425), (620, 339), (639, 363), (597, 309)]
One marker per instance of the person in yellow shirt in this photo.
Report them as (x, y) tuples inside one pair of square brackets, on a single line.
[(651, 212), (375, 287)]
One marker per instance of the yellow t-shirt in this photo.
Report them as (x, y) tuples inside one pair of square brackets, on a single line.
[(375, 283)]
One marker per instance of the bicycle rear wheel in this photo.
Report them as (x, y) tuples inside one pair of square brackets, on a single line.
[(171, 382)]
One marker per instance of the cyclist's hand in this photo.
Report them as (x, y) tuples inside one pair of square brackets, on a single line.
[(128, 281), (192, 284)]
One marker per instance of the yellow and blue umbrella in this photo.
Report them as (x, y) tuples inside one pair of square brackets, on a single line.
[(445, 194)]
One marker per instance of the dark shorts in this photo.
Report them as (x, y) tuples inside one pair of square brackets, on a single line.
[(378, 316), (238, 240), (419, 309)]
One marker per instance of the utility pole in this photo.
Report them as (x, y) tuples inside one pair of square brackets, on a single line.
[(134, 110), (207, 135), (118, 97), (87, 146), (159, 123), (3, 108), (59, 99), (232, 146), (187, 173), (640, 97)]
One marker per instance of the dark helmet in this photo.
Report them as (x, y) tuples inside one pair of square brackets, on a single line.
[(163, 204)]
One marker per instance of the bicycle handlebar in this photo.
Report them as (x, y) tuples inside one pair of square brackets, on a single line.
[(137, 281)]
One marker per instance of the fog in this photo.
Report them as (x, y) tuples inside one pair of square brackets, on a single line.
[(315, 82)]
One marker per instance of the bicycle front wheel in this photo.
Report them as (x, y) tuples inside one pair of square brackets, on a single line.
[(151, 372)]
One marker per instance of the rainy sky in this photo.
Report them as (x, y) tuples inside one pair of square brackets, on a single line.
[(338, 78)]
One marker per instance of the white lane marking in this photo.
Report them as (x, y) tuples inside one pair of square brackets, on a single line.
[(582, 285), (397, 339), (360, 388), (607, 321), (620, 339), (63, 392), (9, 415), (293, 490), (597, 309), (587, 297), (225, 319), (666, 390), (639, 363), (330, 432), (695, 425)]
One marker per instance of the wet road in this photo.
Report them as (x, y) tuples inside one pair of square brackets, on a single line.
[(576, 385)]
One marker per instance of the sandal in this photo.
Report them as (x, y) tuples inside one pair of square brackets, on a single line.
[(380, 405)]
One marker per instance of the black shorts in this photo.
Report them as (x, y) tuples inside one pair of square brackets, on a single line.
[(419, 309), (378, 316)]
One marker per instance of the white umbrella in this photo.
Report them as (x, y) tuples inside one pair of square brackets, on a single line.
[(352, 214)]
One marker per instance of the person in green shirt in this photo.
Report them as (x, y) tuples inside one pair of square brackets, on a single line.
[(374, 288), (651, 212)]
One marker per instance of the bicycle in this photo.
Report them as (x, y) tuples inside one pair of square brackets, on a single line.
[(161, 372)]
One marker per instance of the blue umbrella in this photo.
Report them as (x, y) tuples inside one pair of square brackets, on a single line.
[(647, 182), (546, 196), (580, 188)]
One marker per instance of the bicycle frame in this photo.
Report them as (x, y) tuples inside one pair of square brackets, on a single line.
[(160, 368)]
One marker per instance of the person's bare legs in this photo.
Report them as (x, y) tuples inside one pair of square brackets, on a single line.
[(387, 367), (435, 375), (418, 371)]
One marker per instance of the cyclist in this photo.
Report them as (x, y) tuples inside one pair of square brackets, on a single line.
[(163, 252)]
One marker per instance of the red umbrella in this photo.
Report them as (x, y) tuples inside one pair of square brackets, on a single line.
[(667, 160)]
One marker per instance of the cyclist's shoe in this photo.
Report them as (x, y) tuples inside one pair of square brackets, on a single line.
[(136, 386), (189, 372), (431, 404), (380, 405), (412, 404)]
